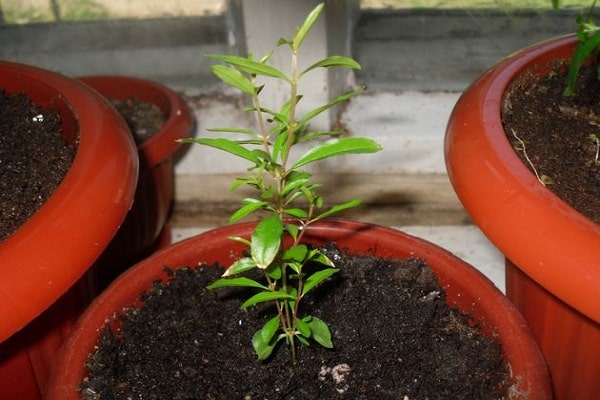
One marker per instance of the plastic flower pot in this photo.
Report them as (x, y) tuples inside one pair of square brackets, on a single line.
[(42, 264), (466, 288), (553, 268), (145, 229)]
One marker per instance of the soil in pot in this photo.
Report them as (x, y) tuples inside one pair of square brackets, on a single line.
[(144, 119), (34, 158), (560, 135), (394, 338)]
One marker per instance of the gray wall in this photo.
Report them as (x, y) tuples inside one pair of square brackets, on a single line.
[(402, 49)]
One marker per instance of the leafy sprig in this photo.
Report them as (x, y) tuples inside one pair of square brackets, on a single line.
[(285, 191), (588, 34)]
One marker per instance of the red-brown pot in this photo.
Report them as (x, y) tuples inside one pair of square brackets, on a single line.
[(467, 289), (51, 252), (553, 266), (145, 230)]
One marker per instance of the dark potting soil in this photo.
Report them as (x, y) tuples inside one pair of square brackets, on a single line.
[(34, 159), (144, 119), (561, 134), (394, 338)]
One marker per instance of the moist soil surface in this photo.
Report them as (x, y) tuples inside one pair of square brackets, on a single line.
[(144, 119), (394, 338), (561, 135), (34, 159)]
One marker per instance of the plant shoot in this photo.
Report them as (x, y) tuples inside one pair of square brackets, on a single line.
[(285, 192)]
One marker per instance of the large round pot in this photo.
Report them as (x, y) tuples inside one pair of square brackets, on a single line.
[(145, 230), (553, 268), (466, 288), (51, 252)]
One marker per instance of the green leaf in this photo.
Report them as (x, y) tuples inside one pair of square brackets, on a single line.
[(239, 266), (261, 154), (581, 53), (295, 179), (296, 253), (270, 328), (240, 240), (296, 267), (320, 331), (303, 328), (248, 208), (303, 340), (287, 106), (317, 256), (336, 147), (283, 41), (264, 340), (340, 99), (235, 282), (337, 208), (266, 241), (333, 61), (263, 350), (315, 279), (266, 296), (293, 230), (228, 146), (274, 272), (308, 193), (242, 181), (234, 78), (255, 142), (234, 130), (306, 26), (303, 191), (251, 66), (319, 202), (296, 212), (278, 146), (317, 134)]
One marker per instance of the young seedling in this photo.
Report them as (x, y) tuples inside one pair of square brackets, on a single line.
[(588, 34), (285, 191)]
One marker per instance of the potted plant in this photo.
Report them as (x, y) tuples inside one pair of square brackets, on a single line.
[(552, 272), (282, 261), (466, 289), (157, 117), (52, 251)]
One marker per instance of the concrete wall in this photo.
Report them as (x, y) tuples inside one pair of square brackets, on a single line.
[(401, 49), (415, 63)]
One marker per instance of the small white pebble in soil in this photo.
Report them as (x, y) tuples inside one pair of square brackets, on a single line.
[(430, 296), (338, 373)]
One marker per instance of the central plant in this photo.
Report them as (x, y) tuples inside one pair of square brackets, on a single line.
[(285, 191)]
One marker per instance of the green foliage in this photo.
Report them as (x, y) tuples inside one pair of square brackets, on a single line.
[(286, 193), (588, 34)]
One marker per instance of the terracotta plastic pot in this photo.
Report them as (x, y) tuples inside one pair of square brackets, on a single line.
[(59, 243), (553, 266), (145, 229), (466, 287)]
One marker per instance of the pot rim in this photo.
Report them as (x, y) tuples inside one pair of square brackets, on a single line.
[(56, 246), (179, 122), (491, 308), (524, 219)]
